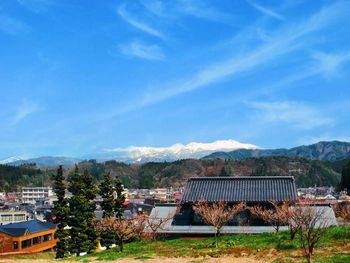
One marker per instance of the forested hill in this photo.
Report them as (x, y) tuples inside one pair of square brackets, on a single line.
[(12, 178), (324, 151), (166, 174), (306, 172)]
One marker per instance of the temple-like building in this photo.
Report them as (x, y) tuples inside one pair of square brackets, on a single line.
[(252, 190)]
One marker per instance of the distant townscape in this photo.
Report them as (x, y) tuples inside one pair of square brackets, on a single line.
[(94, 206)]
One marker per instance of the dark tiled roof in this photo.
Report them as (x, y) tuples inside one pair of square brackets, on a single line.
[(240, 189), (32, 226)]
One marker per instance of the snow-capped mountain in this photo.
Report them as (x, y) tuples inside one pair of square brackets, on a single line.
[(11, 160), (135, 154), (173, 152)]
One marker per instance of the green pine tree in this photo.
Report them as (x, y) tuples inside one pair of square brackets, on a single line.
[(60, 214), (120, 198), (112, 205), (345, 178), (226, 170), (106, 191), (82, 207)]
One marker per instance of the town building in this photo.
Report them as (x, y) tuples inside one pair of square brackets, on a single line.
[(36, 194), (27, 237), (252, 190), (14, 216)]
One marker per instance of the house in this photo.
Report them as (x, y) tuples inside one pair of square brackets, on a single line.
[(253, 190), (27, 237)]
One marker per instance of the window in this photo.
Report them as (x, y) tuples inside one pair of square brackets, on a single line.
[(47, 237), (6, 218), (15, 245), (36, 240), (26, 243), (20, 217)]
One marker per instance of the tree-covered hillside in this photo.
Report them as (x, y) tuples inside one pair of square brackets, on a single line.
[(323, 151), (166, 174), (12, 178)]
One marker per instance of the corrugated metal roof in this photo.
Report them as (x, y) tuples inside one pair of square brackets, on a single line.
[(33, 226), (240, 189)]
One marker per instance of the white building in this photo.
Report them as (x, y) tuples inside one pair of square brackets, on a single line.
[(36, 194), (162, 193), (14, 216)]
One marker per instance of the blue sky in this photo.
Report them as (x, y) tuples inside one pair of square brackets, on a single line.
[(80, 76)]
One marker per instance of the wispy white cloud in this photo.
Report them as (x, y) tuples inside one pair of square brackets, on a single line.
[(286, 41), (290, 38), (325, 65), (294, 113), (266, 11), (329, 63), (199, 9), (141, 50), (24, 109), (155, 6), (13, 26), (138, 24), (179, 8)]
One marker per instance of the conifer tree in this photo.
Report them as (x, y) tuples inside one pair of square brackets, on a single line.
[(60, 213), (106, 191), (82, 206), (112, 205), (345, 178), (120, 198), (226, 170)]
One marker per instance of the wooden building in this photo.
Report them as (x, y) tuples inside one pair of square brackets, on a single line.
[(27, 237), (252, 190)]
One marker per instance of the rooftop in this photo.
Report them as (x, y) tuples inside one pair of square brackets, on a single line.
[(240, 189), (21, 228)]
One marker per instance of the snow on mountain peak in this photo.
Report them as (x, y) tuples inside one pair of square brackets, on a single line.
[(178, 150), (10, 160)]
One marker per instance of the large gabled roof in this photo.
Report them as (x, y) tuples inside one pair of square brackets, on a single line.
[(240, 189), (30, 227)]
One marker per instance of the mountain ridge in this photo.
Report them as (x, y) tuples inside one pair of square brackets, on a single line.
[(323, 151)]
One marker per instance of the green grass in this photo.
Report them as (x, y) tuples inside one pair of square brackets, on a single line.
[(334, 247)]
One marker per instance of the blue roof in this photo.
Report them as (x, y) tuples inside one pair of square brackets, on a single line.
[(32, 226)]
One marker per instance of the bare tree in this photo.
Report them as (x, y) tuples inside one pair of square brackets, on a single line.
[(276, 216), (139, 223), (122, 228), (311, 224), (155, 224), (342, 210), (217, 214)]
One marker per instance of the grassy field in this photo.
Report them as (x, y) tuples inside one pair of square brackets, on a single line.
[(274, 247)]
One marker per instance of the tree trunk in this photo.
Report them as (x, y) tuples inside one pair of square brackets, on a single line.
[(311, 249), (121, 245), (292, 233), (308, 258), (217, 233)]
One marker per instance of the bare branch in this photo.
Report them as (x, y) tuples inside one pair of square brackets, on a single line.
[(217, 214)]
